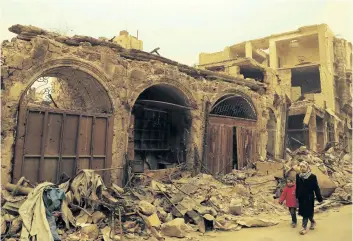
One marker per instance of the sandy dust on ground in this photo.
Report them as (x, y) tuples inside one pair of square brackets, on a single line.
[(335, 224)]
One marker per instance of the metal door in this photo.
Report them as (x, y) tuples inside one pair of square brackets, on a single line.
[(50, 142)]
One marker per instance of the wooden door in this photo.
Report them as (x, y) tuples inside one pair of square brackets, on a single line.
[(247, 146), (219, 149), (52, 141)]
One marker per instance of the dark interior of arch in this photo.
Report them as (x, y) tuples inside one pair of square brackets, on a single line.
[(164, 93), (161, 130), (68, 88), (234, 106)]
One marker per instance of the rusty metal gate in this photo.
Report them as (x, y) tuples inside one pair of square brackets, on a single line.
[(50, 142), (219, 157)]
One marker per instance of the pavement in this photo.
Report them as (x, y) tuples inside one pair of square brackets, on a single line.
[(332, 225)]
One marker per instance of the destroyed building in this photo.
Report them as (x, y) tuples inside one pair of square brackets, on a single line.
[(79, 109), (315, 71), (103, 106), (72, 103)]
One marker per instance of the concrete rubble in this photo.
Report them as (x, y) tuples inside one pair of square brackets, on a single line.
[(184, 203)]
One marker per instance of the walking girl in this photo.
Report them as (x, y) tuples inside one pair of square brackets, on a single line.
[(306, 187)]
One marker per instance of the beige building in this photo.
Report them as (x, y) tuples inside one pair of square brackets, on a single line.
[(128, 41), (315, 71)]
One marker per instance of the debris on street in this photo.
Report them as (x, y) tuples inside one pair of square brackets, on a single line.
[(83, 208)]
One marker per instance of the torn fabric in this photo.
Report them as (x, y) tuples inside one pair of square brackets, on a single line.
[(33, 214)]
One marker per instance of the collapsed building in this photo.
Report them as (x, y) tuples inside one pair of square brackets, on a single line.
[(72, 103), (315, 72), (76, 109)]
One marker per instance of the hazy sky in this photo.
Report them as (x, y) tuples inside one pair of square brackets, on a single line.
[(181, 28)]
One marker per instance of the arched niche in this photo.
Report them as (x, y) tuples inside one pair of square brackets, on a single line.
[(231, 134), (234, 106), (159, 135), (64, 125)]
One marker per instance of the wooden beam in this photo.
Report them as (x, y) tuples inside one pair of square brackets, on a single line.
[(232, 121)]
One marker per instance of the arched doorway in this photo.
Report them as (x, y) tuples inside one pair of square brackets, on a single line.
[(64, 125), (271, 134), (231, 134), (160, 132)]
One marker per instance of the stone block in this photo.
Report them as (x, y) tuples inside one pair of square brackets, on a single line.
[(256, 222), (175, 228), (91, 231), (327, 186), (235, 206), (267, 168), (146, 208), (153, 220)]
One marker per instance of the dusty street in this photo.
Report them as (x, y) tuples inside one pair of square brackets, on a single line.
[(335, 224)]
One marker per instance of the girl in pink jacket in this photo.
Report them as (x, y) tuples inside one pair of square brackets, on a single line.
[(288, 195)]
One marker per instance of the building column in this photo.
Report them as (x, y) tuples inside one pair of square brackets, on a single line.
[(248, 49), (273, 55), (312, 131), (326, 65)]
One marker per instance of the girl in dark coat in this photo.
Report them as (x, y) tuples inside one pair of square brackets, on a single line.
[(306, 186)]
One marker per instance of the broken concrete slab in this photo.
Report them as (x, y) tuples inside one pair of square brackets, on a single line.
[(97, 217), (235, 206), (187, 204), (208, 217), (175, 228), (267, 168), (327, 186), (256, 222), (91, 231), (146, 208), (153, 220), (161, 214)]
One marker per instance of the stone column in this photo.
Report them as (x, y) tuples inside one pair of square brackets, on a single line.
[(119, 145), (248, 49), (273, 55), (312, 131)]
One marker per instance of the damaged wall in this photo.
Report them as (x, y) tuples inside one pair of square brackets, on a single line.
[(121, 76), (298, 51)]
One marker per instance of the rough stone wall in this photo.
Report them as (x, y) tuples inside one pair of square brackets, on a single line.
[(123, 79)]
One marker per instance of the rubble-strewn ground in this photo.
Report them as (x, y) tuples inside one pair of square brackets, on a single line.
[(177, 204), (335, 224)]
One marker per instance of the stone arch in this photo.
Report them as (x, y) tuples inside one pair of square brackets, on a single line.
[(160, 123), (53, 127), (68, 62), (236, 93), (231, 127), (271, 132), (234, 105), (190, 99)]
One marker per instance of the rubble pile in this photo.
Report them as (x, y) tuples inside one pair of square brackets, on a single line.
[(83, 208), (333, 169)]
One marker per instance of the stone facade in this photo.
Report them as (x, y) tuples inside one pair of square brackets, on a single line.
[(123, 75)]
